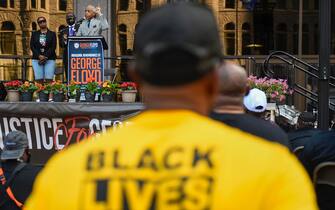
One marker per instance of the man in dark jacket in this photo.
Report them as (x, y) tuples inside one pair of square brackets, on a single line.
[(65, 33), (230, 109), (17, 174)]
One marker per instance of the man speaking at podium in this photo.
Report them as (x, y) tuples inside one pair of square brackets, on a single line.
[(94, 22)]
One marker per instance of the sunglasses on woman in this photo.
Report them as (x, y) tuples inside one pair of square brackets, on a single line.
[(41, 21)]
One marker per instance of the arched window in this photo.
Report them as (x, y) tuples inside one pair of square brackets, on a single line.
[(33, 4), (229, 38), (7, 38), (281, 37), (305, 39), (33, 26), (246, 39), (281, 4), (62, 5), (123, 39), (230, 4), (3, 3), (124, 4), (12, 4), (43, 4)]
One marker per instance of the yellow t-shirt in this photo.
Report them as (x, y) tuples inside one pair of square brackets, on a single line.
[(173, 160)]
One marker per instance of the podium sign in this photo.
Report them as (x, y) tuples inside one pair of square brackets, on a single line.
[(86, 60)]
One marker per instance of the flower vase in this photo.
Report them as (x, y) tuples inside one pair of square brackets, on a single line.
[(26, 96), (108, 97), (129, 96), (44, 97), (58, 97), (13, 95), (89, 97)]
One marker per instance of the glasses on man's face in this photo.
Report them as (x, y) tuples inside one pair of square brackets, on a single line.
[(42, 21)]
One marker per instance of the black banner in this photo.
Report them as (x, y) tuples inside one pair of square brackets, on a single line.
[(53, 126)]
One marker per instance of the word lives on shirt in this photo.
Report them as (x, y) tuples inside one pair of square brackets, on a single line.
[(177, 178)]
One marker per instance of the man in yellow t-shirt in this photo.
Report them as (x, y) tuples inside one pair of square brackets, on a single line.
[(172, 157)]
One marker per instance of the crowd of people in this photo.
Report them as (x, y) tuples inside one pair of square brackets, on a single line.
[(201, 143)]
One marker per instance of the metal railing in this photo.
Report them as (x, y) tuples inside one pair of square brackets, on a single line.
[(22, 69), (296, 64)]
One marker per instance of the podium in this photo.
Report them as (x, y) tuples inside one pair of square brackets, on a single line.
[(86, 59)]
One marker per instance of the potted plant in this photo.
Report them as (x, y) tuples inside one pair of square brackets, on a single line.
[(43, 91), (12, 88), (26, 90), (58, 89), (108, 91), (74, 91), (276, 90), (129, 91), (91, 89)]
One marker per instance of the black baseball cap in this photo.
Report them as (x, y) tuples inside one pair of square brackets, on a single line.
[(14, 145), (177, 44)]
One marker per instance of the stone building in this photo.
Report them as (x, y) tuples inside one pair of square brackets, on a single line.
[(271, 25), (18, 18)]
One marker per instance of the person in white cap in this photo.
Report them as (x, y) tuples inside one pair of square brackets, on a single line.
[(255, 102)]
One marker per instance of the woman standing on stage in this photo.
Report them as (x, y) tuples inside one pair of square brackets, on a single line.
[(43, 45)]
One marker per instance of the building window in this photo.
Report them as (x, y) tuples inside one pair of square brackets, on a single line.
[(43, 4), (281, 37), (139, 5), (316, 4), (295, 4), (33, 4), (316, 39), (305, 39), (123, 39), (124, 4), (12, 4), (33, 26), (281, 4), (230, 4), (3, 3), (305, 4), (295, 38), (7, 38), (62, 4), (229, 38), (246, 39)]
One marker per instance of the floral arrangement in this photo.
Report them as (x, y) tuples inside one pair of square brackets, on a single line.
[(27, 87), (92, 87), (58, 87), (13, 85), (275, 89), (108, 88), (128, 86), (44, 87), (73, 87)]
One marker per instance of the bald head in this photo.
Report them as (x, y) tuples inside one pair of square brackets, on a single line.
[(233, 80)]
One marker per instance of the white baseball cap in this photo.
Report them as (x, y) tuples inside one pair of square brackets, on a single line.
[(255, 101)]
